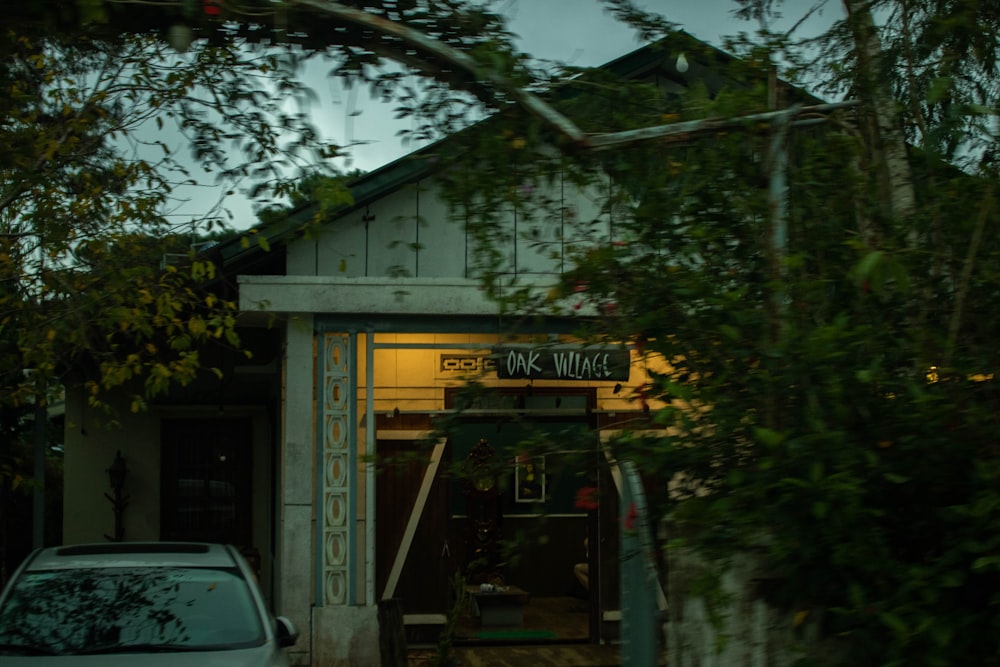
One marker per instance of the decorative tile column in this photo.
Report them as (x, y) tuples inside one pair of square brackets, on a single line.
[(335, 466)]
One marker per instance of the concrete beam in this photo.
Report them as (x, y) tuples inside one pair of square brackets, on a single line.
[(377, 296)]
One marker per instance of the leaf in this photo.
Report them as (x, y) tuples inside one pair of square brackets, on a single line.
[(897, 625), (938, 89), (980, 110), (92, 11), (768, 437), (986, 563), (730, 332), (197, 327), (864, 269)]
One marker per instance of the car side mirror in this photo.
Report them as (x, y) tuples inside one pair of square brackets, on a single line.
[(287, 633)]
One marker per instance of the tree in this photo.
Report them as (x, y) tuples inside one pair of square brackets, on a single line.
[(831, 393), (89, 187), (89, 181), (843, 392), (326, 192), (109, 113)]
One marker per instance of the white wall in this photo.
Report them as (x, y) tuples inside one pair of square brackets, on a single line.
[(413, 232), (90, 446), (91, 440)]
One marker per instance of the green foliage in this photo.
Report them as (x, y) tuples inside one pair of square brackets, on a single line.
[(327, 192), (834, 395), (105, 128), (100, 141)]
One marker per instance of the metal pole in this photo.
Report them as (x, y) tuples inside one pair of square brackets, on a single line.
[(370, 452), (38, 497), (639, 578)]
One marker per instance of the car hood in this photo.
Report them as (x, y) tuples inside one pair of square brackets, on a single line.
[(262, 656)]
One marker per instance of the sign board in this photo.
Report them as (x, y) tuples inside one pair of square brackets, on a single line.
[(562, 362)]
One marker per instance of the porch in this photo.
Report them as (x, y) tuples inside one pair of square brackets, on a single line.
[(549, 655)]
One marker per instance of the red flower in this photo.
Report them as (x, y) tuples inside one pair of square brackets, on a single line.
[(586, 498), (633, 514)]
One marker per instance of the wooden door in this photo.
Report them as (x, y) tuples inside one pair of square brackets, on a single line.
[(414, 558)]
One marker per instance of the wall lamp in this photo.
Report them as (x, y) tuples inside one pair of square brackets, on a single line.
[(119, 501)]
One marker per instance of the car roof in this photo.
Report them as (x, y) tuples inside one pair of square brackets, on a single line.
[(133, 554)]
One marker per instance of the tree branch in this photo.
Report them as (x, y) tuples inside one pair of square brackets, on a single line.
[(414, 38), (963, 284)]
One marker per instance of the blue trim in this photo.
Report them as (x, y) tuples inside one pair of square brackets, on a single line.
[(352, 414)]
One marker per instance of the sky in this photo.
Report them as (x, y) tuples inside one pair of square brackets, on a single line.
[(577, 32)]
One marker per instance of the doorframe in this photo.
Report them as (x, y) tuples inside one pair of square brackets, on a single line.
[(169, 477), (587, 416)]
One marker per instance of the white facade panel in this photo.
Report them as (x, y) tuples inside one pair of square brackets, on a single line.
[(343, 248), (539, 227), (386, 296), (300, 258), (392, 234), (586, 221), (340, 249), (414, 233), (442, 237)]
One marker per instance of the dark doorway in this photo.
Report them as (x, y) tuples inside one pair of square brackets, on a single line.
[(546, 450), (206, 480)]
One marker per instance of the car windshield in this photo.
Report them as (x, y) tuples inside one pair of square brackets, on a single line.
[(126, 609)]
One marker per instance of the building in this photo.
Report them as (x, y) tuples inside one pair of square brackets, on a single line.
[(330, 454)]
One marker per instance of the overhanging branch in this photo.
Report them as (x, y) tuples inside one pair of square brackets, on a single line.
[(708, 125), (528, 100)]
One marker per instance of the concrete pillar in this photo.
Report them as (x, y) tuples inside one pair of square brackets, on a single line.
[(296, 492)]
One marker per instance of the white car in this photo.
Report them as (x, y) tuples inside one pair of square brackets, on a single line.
[(139, 603)]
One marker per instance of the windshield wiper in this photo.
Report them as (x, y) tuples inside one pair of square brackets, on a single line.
[(27, 649), (139, 648)]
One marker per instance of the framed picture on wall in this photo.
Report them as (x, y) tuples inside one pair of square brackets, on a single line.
[(529, 479)]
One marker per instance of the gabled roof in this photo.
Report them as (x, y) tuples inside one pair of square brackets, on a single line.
[(706, 64)]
